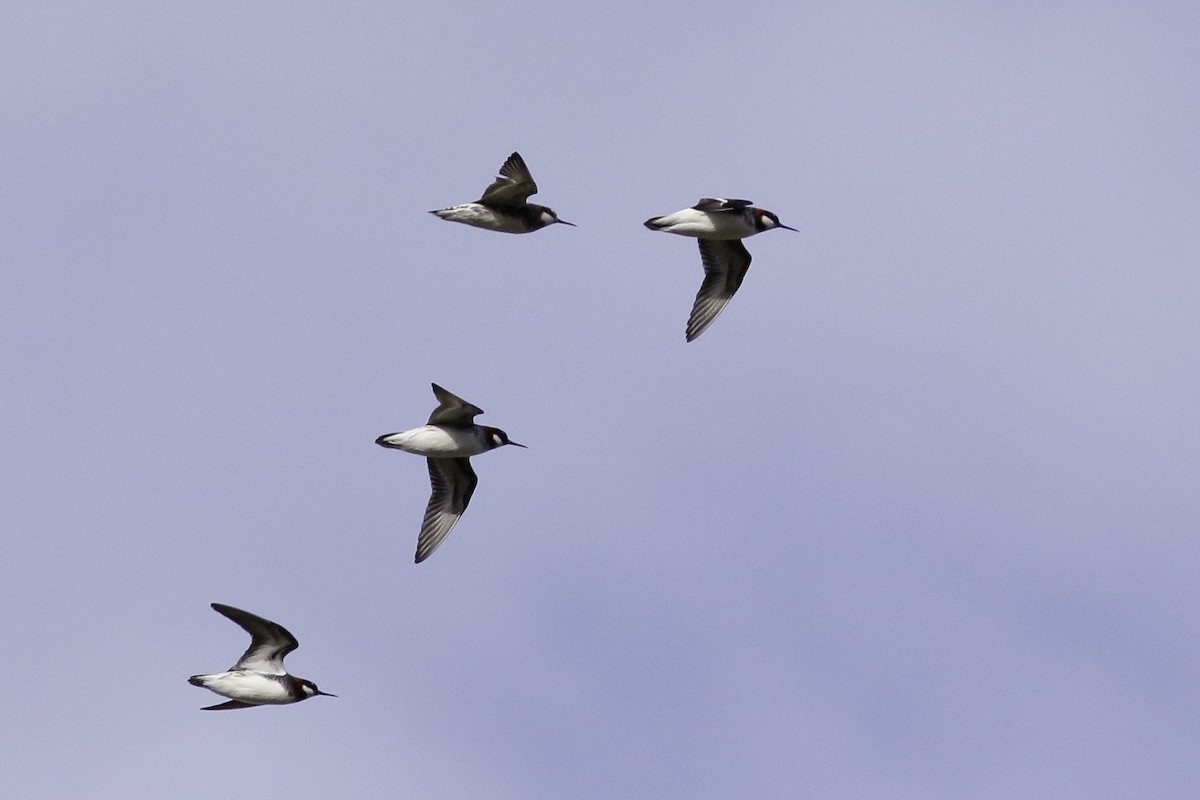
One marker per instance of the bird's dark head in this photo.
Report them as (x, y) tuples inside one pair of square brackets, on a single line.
[(310, 689), (497, 438), (546, 216), (765, 220)]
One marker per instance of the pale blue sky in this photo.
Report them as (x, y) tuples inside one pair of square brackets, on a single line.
[(916, 518)]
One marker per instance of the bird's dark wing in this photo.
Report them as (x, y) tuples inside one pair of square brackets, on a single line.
[(229, 706), (725, 264), (269, 642), (453, 483), (720, 204), (452, 410), (513, 187)]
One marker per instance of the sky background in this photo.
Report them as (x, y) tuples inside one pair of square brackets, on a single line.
[(915, 518)]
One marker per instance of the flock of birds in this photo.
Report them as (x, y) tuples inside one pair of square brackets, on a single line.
[(451, 437)]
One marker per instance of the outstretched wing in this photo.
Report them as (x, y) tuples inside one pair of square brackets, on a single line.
[(229, 706), (712, 204), (725, 264), (453, 483), (269, 642), (452, 410), (514, 185)]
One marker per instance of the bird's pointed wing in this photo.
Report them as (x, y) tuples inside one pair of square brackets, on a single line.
[(453, 483), (720, 204), (228, 706), (513, 186), (452, 410), (269, 642), (725, 265)]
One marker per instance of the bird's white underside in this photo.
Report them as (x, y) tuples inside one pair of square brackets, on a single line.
[(437, 442), (702, 225), (248, 687), (480, 216)]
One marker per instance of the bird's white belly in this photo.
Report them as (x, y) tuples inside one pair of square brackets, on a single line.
[(481, 217), (436, 442), (248, 687), (701, 225)]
